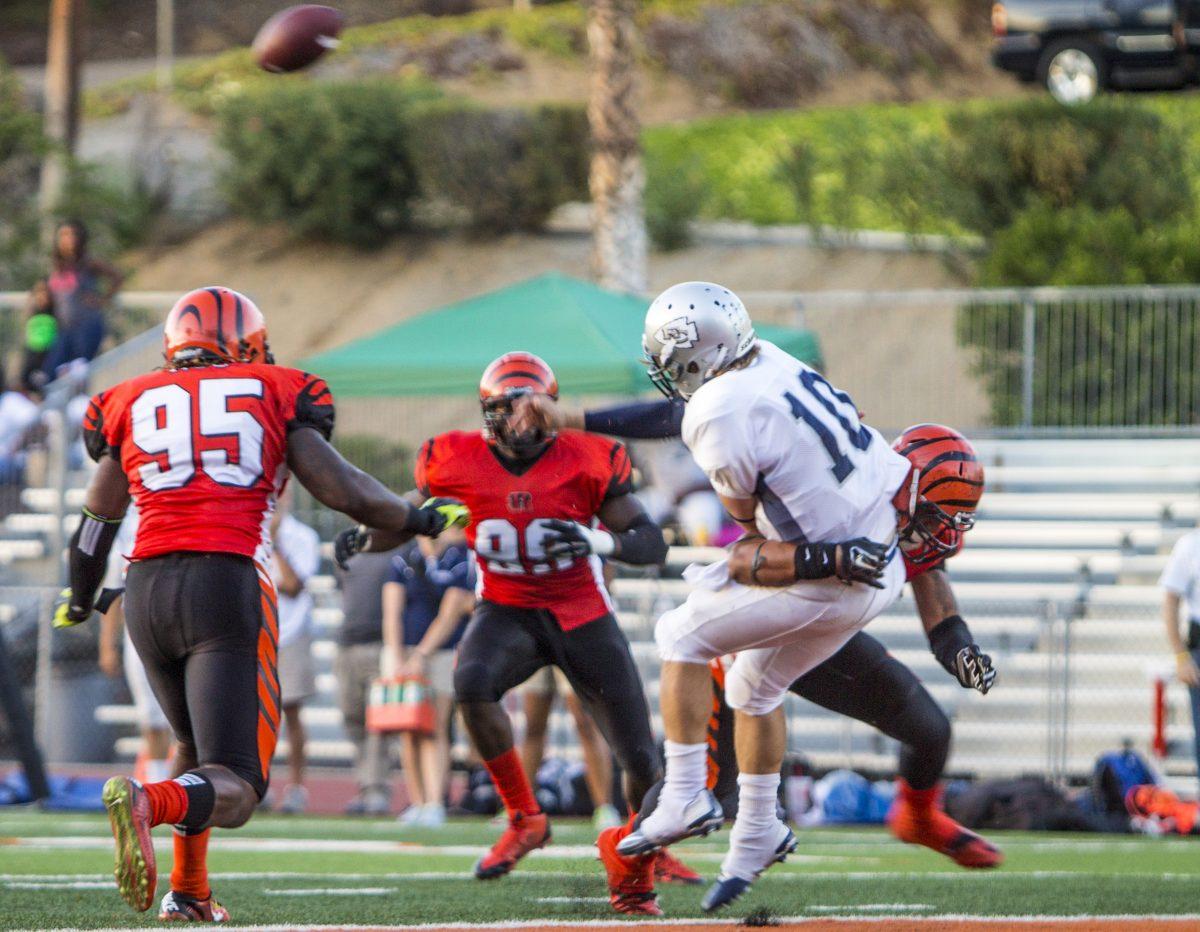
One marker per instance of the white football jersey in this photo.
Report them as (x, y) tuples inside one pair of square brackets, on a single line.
[(778, 431)]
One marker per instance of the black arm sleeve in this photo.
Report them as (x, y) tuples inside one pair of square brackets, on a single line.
[(641, 544), (88, 558), (643, 420)]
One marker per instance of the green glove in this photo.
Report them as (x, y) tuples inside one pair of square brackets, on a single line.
[(447, 513), (65, 615)]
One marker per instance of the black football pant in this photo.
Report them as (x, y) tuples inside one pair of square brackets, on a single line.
[(862, 681), (503, 646), (206, 629)]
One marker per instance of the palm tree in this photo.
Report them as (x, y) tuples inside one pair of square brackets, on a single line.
[(617, 177)]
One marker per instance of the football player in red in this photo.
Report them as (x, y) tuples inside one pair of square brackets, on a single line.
[(204, 446), (535, 497), (936, 508)]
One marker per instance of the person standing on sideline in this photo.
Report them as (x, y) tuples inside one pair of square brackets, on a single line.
[(1181, 582), (358, 662), (426, 603), (297, 556), (82, 286)]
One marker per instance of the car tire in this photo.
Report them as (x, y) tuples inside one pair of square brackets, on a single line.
[(1072, 71)]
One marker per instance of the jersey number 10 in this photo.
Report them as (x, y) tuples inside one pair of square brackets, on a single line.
[(838, 407), (163, 426)]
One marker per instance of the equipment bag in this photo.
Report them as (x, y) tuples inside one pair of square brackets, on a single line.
[(1114, 775)]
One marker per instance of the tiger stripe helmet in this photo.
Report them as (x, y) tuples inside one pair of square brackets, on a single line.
[(506, 378), (937, 505), (214, 325)]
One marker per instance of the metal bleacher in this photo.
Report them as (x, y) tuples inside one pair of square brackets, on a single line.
[(1058, 582)]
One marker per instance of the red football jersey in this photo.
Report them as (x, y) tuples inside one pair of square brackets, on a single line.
[(575, 475), (205, 450)]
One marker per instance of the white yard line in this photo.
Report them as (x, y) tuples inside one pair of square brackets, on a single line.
[(871, 907), (333, 891)]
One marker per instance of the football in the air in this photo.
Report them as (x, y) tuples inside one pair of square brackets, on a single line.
[(296, 37)]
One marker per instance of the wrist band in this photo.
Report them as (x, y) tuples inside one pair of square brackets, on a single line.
[(757, 562)]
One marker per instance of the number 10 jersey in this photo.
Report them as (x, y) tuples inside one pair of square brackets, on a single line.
[(509, 506), (205, 450)]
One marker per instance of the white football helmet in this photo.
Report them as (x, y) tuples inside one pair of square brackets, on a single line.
[(694, 331)]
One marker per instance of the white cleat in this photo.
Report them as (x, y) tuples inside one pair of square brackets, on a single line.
[(748, 864), (702, 816)]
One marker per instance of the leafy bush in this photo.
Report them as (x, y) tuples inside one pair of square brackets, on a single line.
[(328, 159), (21, 149), (507, 169), (672, 202)]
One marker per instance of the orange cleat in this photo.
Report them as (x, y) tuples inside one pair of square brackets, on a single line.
[(1154, 802), (669, 869), (129, 814), (916, 817), (525, 833), (630, 879)]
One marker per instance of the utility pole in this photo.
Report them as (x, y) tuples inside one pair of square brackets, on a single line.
[(617, 179), (64, 54), (164, 44)]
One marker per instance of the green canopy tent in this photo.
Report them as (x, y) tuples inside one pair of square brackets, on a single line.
[(590, 336)]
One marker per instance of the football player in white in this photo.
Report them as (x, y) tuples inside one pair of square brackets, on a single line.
[(814, 489)]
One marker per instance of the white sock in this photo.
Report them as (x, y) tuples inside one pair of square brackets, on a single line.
[(753, 837), (687, 772)]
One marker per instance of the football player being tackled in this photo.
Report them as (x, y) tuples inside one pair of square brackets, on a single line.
[(204, 447), (929, 486), (535, 498)]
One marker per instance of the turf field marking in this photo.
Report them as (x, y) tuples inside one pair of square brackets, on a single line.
[(872, 907), (59, 884), (333, 891), (571, 899)]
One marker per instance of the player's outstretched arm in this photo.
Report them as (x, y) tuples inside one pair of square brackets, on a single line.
[(344, 487), (642, 420), (103, 509), (949, 637), (631, 536)]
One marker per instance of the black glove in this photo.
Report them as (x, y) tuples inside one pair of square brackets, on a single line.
[(349, 542), (861, 560), (572, 540), (437, 514), (961, 657)]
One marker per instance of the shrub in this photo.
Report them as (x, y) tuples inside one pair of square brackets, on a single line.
[(672, 202), (506, 169), (331, 160)]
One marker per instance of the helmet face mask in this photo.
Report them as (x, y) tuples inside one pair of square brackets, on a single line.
[(497, 430)]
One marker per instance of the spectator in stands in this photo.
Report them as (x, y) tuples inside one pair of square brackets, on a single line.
[(19, 420), (41, 330), (426, 602), (538, 694), (357, 664), (297, 555), (82, 286), (1181, 582), (153, 764)]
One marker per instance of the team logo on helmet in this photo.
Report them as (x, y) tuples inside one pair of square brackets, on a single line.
[(680, 332)]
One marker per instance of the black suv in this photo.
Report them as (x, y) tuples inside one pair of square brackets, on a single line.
[(1078, 47)]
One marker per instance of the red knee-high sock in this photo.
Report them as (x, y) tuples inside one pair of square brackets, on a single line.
[(168, 802), (512, 784), (189, 873), (921, 800)]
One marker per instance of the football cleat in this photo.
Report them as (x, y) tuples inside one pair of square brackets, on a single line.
[(129, 814), (525, 833), (180, 907), (669, 869), (931, 827), (702, 816), (728, 888), (630, 879)]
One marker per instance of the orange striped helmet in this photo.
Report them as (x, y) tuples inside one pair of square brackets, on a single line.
[(506, 378), (937, 504), (214, 325)]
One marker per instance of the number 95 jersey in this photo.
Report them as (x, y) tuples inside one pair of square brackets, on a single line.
[(205, 450), (571, 480)]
